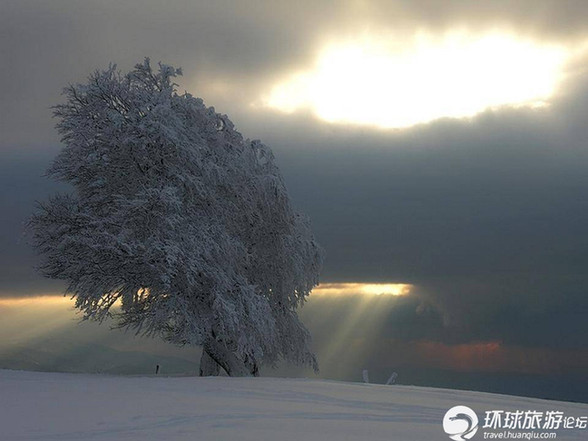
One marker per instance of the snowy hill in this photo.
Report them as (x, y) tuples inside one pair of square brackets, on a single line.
[(55, 406)]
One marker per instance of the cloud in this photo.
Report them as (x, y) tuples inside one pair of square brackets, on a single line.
[(230, 52)]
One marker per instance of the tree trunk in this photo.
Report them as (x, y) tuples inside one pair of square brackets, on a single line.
[(208, 367), (252, 366), (223, 356)]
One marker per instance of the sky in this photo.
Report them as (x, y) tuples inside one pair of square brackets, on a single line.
[(435, 144)]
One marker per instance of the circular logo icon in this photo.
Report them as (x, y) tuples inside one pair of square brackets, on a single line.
[(460, 423)]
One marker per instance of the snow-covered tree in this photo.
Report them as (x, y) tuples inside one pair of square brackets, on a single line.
[(176, 227)]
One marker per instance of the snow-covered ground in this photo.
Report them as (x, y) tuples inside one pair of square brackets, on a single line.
[(54, 406)]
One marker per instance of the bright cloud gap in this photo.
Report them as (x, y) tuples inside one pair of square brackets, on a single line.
[(337, 289), (392, 83)]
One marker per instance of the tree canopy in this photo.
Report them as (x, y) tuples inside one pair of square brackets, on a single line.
[(176, 226)]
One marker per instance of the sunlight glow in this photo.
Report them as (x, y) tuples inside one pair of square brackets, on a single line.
[(38, 301), (391, 289), (390, 83), (29, 319)]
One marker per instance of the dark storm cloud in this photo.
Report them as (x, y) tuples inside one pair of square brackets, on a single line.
[(23, 183), (487, 217), (230, 51), (46, 45)]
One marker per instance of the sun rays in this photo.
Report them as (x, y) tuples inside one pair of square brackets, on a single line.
[(392, 289)]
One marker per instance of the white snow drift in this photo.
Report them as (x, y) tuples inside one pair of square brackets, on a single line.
[(52, 406)]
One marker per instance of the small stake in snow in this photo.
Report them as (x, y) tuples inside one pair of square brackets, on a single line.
[(366, 378), (392, 379)]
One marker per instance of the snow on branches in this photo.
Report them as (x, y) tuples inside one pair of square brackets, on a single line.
[(178, 219)]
